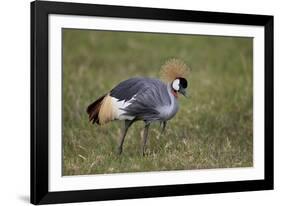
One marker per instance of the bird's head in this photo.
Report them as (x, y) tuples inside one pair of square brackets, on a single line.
[(180, 85), (173, 72)]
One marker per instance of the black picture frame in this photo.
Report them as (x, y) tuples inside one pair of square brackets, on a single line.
[(39, 102)]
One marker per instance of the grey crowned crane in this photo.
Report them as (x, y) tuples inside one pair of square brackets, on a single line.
[(140, 98)]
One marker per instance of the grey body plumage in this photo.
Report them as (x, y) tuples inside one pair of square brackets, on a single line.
[(150, 99)]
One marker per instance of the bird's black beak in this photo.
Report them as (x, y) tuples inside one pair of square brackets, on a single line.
[(183, 92)]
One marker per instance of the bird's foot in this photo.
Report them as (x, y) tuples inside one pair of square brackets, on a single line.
[(119, 150), (143, 153)]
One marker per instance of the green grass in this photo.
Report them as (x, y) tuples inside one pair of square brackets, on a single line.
[(213, 128)]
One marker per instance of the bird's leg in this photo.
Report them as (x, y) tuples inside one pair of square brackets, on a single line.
[(145, 134), (163, 127), (124, 132)]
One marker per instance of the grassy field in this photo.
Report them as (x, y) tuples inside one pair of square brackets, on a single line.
[(213, 128)]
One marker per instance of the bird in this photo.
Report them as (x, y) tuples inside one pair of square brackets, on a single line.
[(142, 99)]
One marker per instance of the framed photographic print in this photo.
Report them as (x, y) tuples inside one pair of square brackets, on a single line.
[(131, 102)]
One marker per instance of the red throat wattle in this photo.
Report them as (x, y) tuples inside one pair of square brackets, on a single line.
[(175, 93)]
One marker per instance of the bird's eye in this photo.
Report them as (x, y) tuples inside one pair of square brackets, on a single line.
[(183, 83)]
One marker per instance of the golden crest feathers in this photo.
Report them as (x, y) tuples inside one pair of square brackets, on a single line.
[(172, 69)]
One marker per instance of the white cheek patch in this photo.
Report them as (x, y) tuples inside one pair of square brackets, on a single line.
[(176, 84)]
